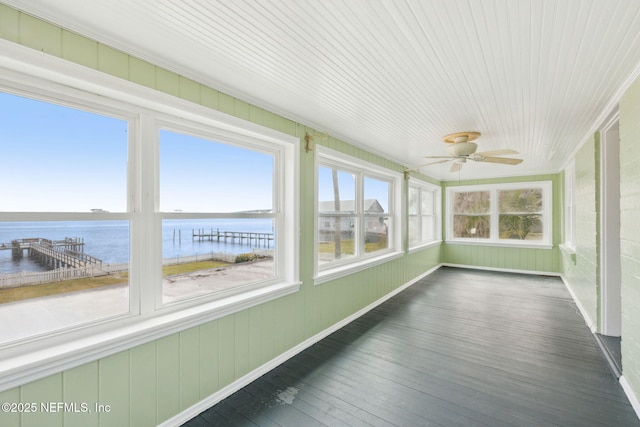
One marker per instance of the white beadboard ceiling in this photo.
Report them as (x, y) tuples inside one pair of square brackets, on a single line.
[(393, 76)]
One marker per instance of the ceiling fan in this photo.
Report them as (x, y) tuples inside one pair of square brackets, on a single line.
[(462, 149)]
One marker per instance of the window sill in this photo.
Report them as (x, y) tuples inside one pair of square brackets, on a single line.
[(355, 267), (500, 244), (24, 363), (569, 250), (420, 247)]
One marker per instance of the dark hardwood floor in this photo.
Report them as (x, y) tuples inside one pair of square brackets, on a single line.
[(459, 348)]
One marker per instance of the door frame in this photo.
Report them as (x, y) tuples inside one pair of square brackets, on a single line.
[(610, 271)]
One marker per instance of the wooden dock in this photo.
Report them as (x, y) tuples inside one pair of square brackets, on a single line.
[(240, 237), (66, 253)]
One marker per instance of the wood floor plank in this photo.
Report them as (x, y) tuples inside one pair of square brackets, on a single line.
[(460, 347)]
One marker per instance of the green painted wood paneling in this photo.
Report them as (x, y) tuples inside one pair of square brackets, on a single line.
[(583, 275), (167, 82), (226, 350), (189, 90), (9, 24), (113, 389), (208, 360), (79, 49), (80, 387), (268, 330), (630, 233), (241, 343), (144, 390), (256, 337), (113, 62), (45, 391), (209, 97), (189, 368), (40, 35), (168, 376), (226, 103), (9, 418), (142, 73)]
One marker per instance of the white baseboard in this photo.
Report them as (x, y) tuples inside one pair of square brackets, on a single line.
[(593, 327), (208, 402), (633, 399), (504, 270)]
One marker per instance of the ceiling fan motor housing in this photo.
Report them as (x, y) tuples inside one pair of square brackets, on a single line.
[(462, 149)]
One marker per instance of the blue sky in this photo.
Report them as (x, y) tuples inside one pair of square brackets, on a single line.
[(199, 175), (59, 159)]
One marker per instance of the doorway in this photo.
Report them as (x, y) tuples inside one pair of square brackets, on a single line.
[(610, 273)]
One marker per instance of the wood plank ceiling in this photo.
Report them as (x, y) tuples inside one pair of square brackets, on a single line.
[(394, 76)]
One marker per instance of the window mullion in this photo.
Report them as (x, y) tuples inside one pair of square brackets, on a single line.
[(360, 220), (495, 215), (146, 229)]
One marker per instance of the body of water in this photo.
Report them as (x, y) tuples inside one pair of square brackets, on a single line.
[(109, 240)]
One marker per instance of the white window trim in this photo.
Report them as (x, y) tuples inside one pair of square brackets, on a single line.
[(277, 151), (547, 195), (37, 357), (437, 210), (327, 157), (570, 207)]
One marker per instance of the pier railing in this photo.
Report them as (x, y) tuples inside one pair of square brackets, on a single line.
[(250, 237), (52, 253)]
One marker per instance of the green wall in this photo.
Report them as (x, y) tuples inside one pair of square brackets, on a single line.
[(582, 270), (630, 233), (541, 260), (582, 274), (150, 383)]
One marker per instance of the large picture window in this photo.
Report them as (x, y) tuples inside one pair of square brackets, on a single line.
[(424, 214), (64, 227), (504, 214), (219, 227), (127, 214), (357, 213)]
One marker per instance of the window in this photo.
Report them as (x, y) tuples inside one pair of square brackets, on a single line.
[(64, 226), (503, 214), (217, 215), (357, 214), (424, 214), (570, 206), (114, 199)]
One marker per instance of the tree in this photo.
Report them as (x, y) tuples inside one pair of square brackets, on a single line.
[(519, 212)]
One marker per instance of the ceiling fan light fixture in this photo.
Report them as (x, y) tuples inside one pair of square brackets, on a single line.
[(462, 149)]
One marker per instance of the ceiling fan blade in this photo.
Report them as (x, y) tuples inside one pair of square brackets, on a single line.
[(431, 163), (497, 153), (415, 168), (501, 160), (456, 167)]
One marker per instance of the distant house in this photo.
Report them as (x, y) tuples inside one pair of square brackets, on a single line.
[(375, 227)]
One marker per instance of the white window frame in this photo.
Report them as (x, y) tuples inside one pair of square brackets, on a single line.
[(570, 206), (205, 132), (494, 240), (436, 193), (327, 157), (56, 80)]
